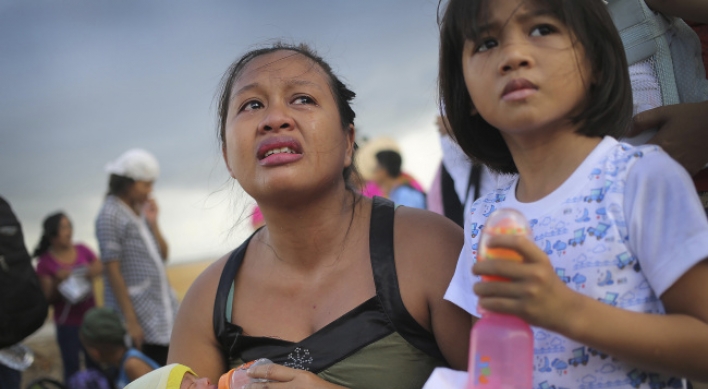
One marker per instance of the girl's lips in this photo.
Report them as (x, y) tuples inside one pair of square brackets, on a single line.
[(518, 89)]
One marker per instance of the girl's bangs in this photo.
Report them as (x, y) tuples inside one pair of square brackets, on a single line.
[(471, 15)]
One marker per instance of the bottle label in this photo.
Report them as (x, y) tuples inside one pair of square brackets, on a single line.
[(483, 369)]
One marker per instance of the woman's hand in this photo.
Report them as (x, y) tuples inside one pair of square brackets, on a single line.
[(534, 292), (135, 331), (62, 274), (282, 377), (150, 211)]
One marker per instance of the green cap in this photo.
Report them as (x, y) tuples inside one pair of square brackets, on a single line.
[(103, 325)]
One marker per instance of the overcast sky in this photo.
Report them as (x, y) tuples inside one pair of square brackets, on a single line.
[(82, 81)]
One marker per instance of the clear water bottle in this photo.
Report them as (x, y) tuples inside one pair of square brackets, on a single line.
[(238, 377), (501, 346)]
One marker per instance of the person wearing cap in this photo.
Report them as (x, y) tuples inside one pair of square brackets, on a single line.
[(133, 251), (103, 336), (172, 376)]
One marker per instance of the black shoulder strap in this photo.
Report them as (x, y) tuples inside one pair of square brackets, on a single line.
[(224, 335), (386, 279)]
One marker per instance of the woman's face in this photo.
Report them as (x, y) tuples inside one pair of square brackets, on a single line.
[(64, 233), (283, 133), (140, 191)]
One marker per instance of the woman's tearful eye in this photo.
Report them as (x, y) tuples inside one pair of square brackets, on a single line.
[(301, 100), (251, 106)]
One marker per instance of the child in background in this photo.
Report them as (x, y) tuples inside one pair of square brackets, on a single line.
[(615, 282), (173, 376), (59, 258), (104, 337)]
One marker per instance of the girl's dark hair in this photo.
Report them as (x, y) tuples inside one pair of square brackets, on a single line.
[(343, 96), (50, 229), (607, 110), (119, 185)]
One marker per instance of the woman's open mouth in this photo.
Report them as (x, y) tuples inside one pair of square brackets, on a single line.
[(279, 151)]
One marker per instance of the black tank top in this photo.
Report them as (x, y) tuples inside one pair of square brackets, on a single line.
[(378, 344)]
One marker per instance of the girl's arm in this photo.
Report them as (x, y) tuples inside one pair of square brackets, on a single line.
[(676, 343), (694, 10), (427, 247)]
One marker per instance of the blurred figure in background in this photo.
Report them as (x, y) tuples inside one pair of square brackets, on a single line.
[(394, 186), (103, 335), (133, 251), (65, 273)]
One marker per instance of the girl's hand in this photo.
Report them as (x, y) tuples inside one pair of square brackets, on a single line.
[(534, 292), (286, 378)]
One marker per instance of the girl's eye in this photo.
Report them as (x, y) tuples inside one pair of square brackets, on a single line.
[(542, 30), (486, 44), (251, 106), (299, 100)]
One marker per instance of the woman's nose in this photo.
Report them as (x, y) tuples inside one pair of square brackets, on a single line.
[(276, 119)]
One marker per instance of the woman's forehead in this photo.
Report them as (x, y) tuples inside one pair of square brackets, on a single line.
[(283, 65)]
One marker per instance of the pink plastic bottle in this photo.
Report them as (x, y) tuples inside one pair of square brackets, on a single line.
[(501, 346)]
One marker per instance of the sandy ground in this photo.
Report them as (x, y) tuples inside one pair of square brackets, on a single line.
[(43, 342)]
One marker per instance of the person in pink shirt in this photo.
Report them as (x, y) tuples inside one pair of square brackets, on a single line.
[(63, 268)]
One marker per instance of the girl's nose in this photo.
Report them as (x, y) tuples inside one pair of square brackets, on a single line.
[(515, 56), (276, 119)]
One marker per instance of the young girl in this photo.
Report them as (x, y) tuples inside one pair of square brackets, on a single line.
[(614, 280)]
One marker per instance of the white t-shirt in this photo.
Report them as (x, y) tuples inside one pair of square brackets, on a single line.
[(621, 229)]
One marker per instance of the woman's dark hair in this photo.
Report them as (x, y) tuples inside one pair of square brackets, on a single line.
[(607, 110), (119, 185), (50, 229), (343, 96)]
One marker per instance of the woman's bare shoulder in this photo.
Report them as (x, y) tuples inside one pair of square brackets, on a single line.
[(428, 232)]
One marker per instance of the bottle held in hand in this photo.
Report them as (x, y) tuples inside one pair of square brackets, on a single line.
[(501, 346)]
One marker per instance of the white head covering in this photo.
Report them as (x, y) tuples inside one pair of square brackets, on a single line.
[(137, 164)]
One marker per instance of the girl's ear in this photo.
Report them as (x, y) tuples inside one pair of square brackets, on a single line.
[(473, 111)]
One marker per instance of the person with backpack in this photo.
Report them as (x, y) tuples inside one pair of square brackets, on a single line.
[(23, 307), (66, 271)]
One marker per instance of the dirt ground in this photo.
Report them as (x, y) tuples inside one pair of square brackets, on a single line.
[(47, 362)]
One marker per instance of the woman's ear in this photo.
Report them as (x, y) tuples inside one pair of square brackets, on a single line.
[(351, 137), (473, 111)]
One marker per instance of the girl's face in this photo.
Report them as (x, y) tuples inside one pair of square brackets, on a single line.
[(64, 233), (524, 73), (283, 129)]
